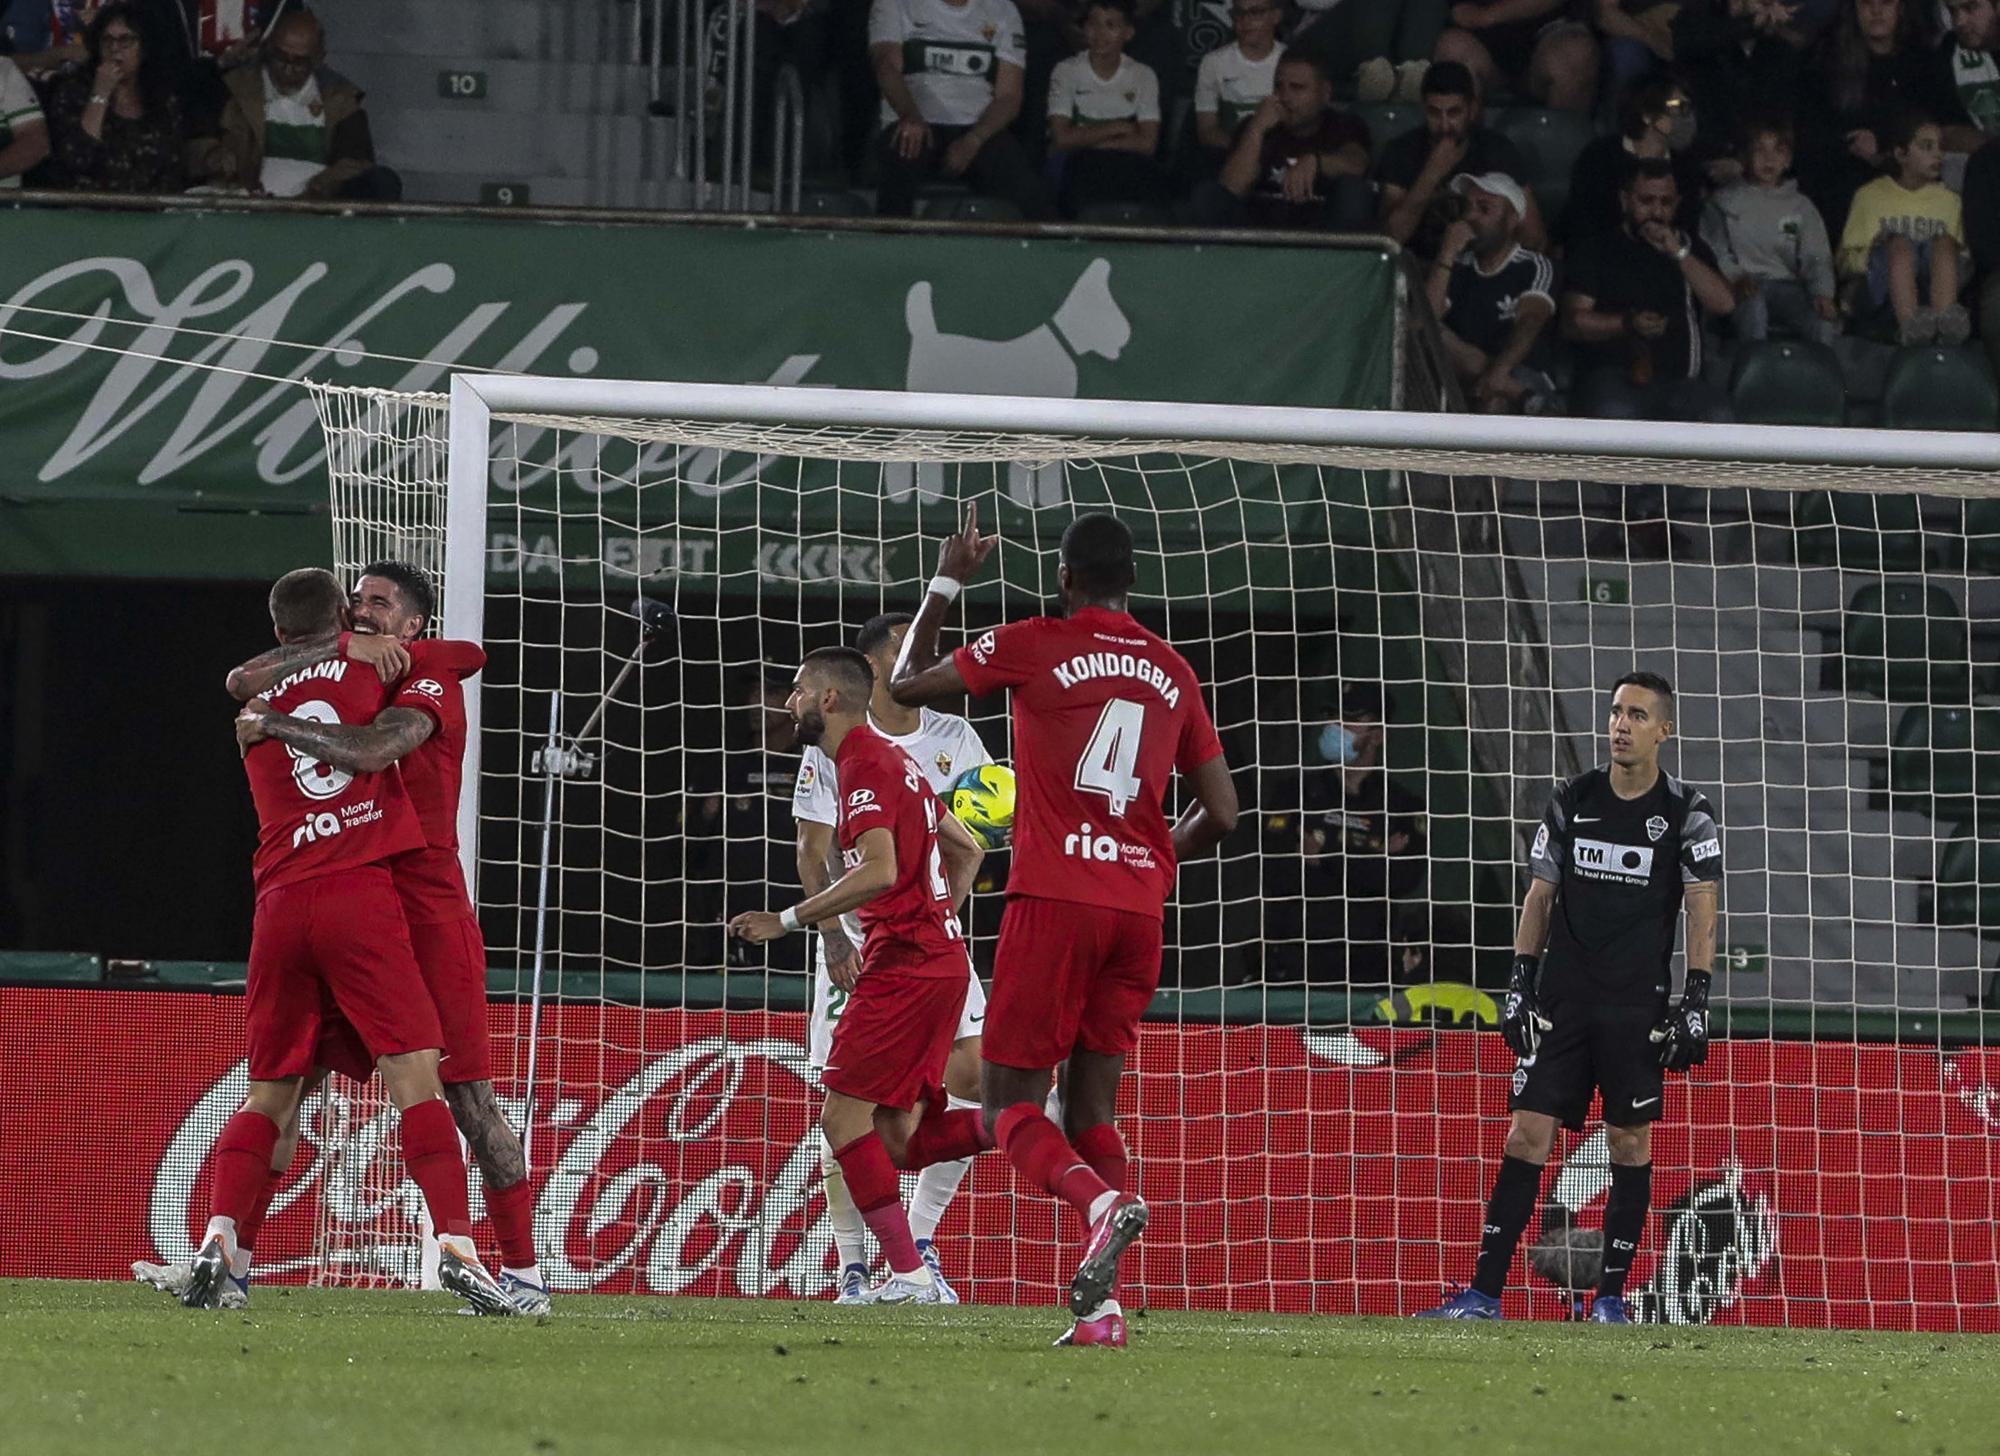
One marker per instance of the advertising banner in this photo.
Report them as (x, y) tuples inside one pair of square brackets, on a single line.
[(1812, 1184)]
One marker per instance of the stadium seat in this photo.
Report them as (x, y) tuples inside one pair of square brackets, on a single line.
[(1550, 140), (1387, 120), (836, 202), (1967, 893), (1905, 642), (1125, 214), (971, 207), (1859, 530), (1933, 388), (1788, 382), (1948, 758)]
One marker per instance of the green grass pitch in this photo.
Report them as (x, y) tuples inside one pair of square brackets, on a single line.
[(106, 1368)]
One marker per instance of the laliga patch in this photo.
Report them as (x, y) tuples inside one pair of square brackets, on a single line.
[(808, 773), (1541, 849), (1655, 827)]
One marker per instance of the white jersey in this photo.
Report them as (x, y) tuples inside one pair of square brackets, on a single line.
[(1232, 85), (1078, 93), (951, 53), (18, 109), (944, 746)]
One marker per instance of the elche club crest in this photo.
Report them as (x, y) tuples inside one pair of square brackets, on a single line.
[(1655, 827)]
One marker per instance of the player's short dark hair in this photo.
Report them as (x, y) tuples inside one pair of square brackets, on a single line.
[(875, 631), (847, 671), (1097, 549), (1645, 169), (1449, 78), (1307, 58), (1653, 683), (307, 602), (418, 593)]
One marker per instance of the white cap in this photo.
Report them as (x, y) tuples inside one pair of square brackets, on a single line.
[(1499, 184)]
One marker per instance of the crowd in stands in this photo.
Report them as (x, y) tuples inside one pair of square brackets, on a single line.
[(164, 96)]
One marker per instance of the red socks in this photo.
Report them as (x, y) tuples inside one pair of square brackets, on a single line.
[(878, 1194), (945, 1137), (1042, 1155), (1104, 1150), (430, 1151), (248, 1226), (242, 1169), (513, 1210)]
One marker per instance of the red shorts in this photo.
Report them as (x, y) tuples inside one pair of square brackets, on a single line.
[(452, 959), (334, 947), (891, 1043), (1068, 977)]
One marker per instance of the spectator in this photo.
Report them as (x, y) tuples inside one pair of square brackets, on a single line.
[(1656, 119), (1968, 82), (1525, 45), (117, 126), (1736, 59), (1382, 45), (292, 128), (1234, 80), (950, 72), (1638, 39), (24, 132), (1875, 64), (1633, 306), (1366, 849), (1903, 239), (1298, 162), (1415, 168), (45, 36), (1494, 298), (1771, 244), (1104, 117)]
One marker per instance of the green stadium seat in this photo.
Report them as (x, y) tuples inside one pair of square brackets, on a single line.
[(1550, 140), (1905, 642), (1967, 893), (1948, 757), (1788, 382), (1859, 530), (1387, 120), (1933, 388)]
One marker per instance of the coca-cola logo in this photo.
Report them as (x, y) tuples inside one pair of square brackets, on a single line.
[(700, 1168)]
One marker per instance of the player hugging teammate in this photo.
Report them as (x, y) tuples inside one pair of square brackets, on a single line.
[(1618, 851)]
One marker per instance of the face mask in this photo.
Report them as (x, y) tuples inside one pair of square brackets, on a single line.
[(1680, 136), (1337, 745)]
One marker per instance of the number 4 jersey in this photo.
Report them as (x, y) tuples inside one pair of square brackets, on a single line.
[(910, 927), (1104, 711)]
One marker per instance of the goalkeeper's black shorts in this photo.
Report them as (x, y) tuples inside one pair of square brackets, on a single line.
[(1593, 1047)]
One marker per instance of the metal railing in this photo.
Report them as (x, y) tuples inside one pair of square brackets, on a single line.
[(788, 141), (680, 88)]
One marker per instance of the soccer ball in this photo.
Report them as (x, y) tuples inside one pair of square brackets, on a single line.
[(982, 799)]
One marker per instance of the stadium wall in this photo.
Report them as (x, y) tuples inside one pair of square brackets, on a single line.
[(1814, 1184)]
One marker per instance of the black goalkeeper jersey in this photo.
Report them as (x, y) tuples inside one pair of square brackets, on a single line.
[(1619, 866)]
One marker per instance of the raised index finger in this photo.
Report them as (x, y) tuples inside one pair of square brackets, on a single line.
[(971, 527)]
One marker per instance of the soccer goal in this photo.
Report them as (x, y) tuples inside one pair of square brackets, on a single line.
[(1309, 1110)]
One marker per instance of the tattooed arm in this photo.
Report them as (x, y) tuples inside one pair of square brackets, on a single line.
[(350, 747), (266, 670)]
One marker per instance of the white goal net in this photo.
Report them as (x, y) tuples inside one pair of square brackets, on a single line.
[(1406, 626)]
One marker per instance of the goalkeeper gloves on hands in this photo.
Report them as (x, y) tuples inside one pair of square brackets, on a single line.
[(1683, 1037), (1521, 1019)]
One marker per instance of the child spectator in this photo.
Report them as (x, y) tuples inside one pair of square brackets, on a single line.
[(1903, 238), (1104, 116), (1771, 244), (1234, 79)]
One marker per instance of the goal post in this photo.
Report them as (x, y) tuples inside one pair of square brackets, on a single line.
[(1480, 578)]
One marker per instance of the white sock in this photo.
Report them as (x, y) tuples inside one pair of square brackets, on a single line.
[(1101, 1204), (530, 1275), (850, 1232), (1109, 1307), (461, 1245), (937, 1185), (221, 1227)]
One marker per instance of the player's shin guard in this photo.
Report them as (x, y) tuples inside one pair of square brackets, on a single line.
[(431, 1152), (850, 1233), (1042, 1155), (1507, 1214), (513, 1211), (1624, 1223), (242, 1173), (878, 1193)]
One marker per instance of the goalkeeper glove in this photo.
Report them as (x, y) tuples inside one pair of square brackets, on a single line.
[(1521, 1019), (1683, 1036)]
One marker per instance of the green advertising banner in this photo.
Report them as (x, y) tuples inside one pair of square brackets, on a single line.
[(152, 423)]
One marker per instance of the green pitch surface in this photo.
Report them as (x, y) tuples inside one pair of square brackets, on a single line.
[(103, 1368)]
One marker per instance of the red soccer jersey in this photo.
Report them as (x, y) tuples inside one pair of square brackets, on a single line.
[(1103, 712), (313, 819), (910, 926), (430, 881)]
